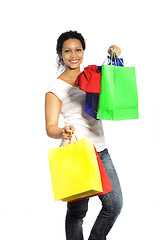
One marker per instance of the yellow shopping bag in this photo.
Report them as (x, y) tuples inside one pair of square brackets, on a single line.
[(74, 171)]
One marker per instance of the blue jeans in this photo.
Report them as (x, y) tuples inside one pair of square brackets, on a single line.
[(111, 207)]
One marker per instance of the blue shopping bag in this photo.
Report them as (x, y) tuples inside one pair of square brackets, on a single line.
[(91, 104)]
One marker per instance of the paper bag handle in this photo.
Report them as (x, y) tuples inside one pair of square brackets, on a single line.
[(70, 141)]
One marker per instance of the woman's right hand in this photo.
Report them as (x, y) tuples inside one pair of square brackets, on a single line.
[(67, 132)]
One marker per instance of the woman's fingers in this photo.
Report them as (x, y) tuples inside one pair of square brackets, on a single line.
[(116, 49), (68, 131)]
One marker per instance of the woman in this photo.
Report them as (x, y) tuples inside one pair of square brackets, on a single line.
[(66, 98)]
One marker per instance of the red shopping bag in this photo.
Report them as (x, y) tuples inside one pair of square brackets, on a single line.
[(89, 80), (106, 184)]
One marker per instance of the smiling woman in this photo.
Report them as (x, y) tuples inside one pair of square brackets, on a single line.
[(72, 54), (64, 97), (64, 37)]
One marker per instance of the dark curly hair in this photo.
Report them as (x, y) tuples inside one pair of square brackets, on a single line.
[(63, 37)]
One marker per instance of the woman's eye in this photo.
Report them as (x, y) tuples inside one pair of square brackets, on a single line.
[(78, 50), (67, 50)]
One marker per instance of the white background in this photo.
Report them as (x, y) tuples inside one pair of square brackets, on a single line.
[(29, 31)]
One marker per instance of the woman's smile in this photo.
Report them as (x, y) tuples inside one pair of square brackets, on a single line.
[(74, 61)]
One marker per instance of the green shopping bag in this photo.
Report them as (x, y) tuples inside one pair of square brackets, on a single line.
[(118, 98)]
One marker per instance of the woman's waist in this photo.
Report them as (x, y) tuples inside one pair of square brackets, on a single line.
[(97, 137)]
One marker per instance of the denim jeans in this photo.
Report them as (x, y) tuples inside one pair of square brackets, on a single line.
[(111, 207)]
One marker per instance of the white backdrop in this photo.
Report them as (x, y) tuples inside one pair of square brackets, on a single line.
[(29, 31)]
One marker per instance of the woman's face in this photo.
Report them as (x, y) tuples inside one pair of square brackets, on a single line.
[(72, 53)]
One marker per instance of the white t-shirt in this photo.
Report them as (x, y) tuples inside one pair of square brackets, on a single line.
[(73, 102)]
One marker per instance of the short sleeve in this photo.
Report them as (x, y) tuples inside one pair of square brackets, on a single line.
[(56, 88)]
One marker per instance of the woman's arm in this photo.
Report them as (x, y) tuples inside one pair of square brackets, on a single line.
[(52, 111)]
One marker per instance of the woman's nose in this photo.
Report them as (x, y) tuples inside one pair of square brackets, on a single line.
[(73, 54)]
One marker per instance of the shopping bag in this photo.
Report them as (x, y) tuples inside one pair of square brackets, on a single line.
[(74, 171), (106, 184), (118, 98), (91, 104), (90, 79)]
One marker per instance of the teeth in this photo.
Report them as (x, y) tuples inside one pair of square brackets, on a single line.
[(74, 61)]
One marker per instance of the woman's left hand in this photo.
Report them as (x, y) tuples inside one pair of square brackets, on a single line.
[(116, 49)]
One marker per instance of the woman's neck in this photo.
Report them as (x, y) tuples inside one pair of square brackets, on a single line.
[(70, 75)]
